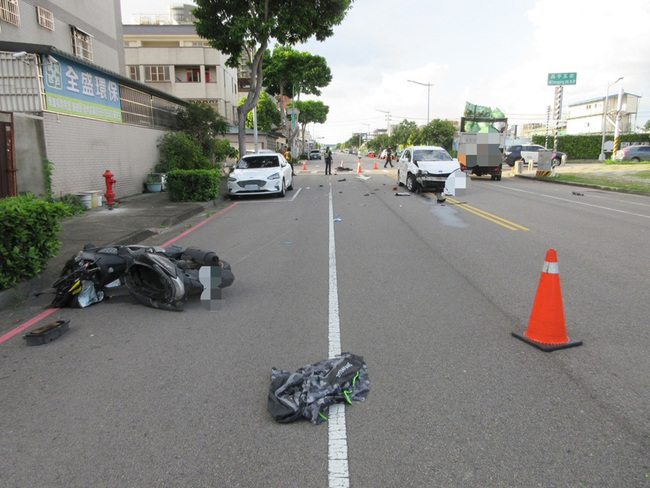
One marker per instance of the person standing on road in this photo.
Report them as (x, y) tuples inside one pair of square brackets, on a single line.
[(389, 159), (328, 161), (287, 156)]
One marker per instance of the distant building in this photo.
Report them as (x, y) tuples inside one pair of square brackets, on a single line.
[(529, 130), (174, 59), (586, 117)]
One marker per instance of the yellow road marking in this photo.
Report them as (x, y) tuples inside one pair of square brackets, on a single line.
[(487, 216), (483, 214)]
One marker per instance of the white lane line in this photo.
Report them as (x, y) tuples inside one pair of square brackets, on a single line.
[(577, 203), (274, 199), (337, 456)]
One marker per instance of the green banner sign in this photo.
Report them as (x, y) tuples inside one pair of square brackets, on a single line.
[(562, 78)]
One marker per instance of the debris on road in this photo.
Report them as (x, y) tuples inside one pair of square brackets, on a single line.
[(402, 194), (313, 388), (47, 333)]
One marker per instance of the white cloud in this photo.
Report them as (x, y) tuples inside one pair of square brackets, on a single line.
[(495, 53)]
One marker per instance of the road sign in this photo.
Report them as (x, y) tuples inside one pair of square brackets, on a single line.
[(562, 78)]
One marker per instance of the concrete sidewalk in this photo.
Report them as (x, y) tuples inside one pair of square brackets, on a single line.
[(132, 220)]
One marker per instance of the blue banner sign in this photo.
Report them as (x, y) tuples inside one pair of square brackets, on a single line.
[(77, 90)]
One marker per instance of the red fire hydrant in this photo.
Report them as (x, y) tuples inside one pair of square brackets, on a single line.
[(110, 195)]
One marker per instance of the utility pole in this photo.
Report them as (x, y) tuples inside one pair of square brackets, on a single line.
[(602, 144), (387, 118)]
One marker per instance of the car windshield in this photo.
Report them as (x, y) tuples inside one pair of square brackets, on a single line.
[(258, 162), (430, 155)]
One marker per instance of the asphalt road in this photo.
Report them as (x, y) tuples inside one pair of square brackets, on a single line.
[(428, 294)]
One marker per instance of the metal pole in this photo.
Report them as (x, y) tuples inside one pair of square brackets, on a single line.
[(428, 85), (602, 144), (558, 113), (255, 128), (428, 100), (548, 120), (617, 127)]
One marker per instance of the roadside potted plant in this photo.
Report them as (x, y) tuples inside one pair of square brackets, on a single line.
[(153, 183)]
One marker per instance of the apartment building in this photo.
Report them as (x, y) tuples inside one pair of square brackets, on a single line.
[(175, 60)]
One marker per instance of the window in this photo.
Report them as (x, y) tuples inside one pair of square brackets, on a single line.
[(9, 11), (82, 45), (193, 75), (134, 73), (45, 18), (156, 73)]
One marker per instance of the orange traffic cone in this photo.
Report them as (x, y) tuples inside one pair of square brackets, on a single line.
[(375, 166), (359, 167), (547, 328), (304, 165)]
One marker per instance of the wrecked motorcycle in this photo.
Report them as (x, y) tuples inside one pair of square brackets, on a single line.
[(155, 276)]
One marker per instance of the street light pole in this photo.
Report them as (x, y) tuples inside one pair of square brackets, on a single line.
[(428, 85), (602, 144)]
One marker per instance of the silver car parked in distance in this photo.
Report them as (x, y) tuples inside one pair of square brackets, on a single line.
[(633, 153)]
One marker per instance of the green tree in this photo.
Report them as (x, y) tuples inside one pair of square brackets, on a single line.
[(437, 132), (311, 111), (268, 115), (380, 142), (202, 124), (647, 125), (179, 151), (403, 131), (243, 30), (288, 72)]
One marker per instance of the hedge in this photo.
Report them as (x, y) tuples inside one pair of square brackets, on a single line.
[(588, 146), (28, 236), (198, 185)]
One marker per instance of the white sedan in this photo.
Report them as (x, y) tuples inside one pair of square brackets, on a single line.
[(426, 168), (260, 174)]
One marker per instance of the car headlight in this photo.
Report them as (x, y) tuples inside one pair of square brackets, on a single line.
[(274, 176), (232, 178)]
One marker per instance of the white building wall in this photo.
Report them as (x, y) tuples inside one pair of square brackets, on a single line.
[(83, 149), (587, 117)]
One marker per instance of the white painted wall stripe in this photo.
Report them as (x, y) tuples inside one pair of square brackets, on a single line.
[(337, 457)]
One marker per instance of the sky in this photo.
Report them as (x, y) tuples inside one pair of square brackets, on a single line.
[(494, 53)]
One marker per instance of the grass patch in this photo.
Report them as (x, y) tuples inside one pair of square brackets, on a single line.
[(613, 162), (635, 182)]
